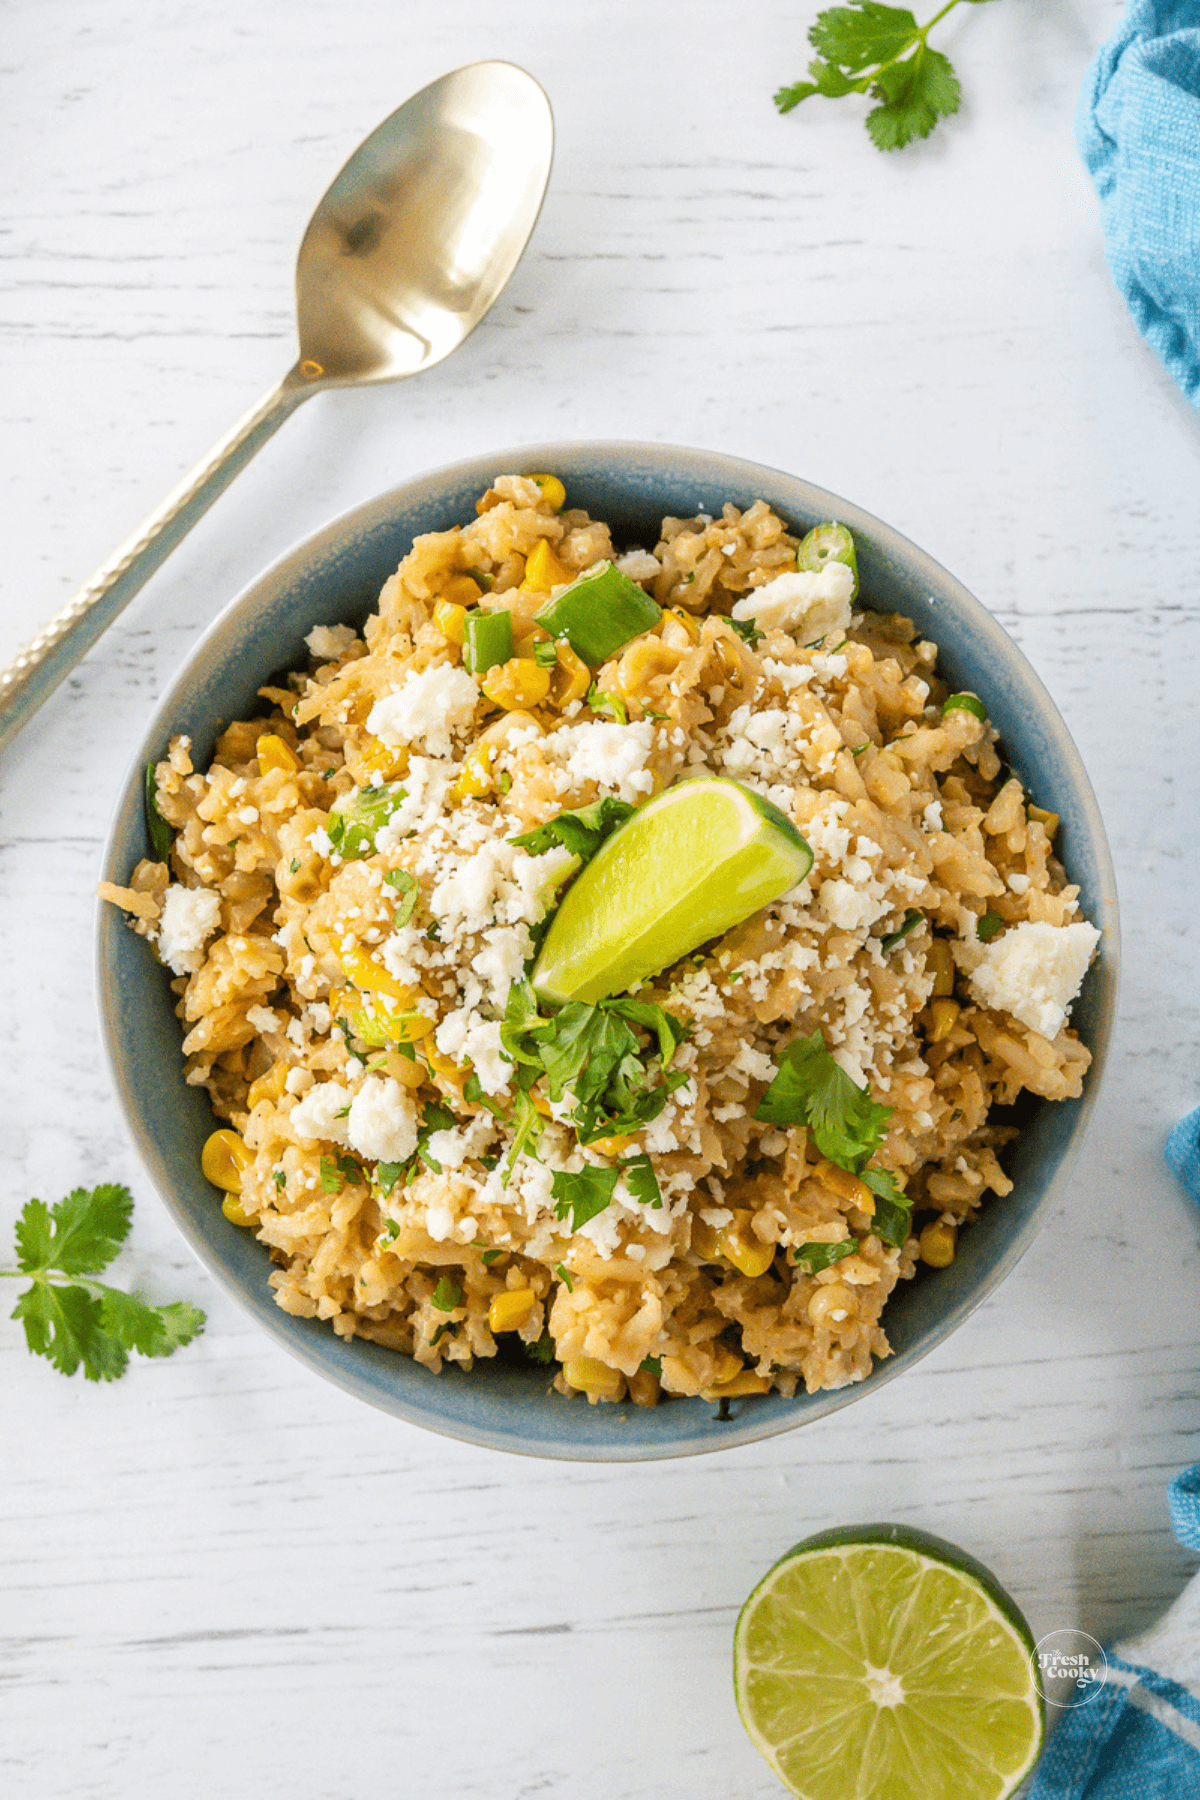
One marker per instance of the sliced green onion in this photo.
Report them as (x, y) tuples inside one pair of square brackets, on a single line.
[(965, 703), (912, 919), (487, 640), (988, 926), (599, 612), (812, 1258), (825, 544), (356, 818), (545, 655)]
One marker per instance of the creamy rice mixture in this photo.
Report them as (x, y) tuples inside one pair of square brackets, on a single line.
[(344, 993)]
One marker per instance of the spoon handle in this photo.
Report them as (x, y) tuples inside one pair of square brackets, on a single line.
[(34, 673)]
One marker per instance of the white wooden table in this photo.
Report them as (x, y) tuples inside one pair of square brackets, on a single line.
[(221, 1576)]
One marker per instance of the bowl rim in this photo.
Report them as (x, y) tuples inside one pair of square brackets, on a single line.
[(694, 464)]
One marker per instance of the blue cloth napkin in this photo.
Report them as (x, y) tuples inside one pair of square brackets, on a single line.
[(1183, 1152), (1139, 1738), (1139, 130)]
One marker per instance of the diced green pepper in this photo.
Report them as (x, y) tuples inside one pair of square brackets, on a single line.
[(598, 613), (356, 818), (965, 703), (825, 544), (487, 640)]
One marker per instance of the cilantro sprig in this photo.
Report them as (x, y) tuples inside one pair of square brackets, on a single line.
[(581, 830), (810, 1089), (81, 1319), (865, 47)]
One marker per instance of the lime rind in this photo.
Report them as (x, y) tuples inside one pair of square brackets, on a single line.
[(879, 1663)]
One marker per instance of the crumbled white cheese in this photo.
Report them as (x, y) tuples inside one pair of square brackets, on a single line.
[(426, 784), (464, 1037), (932, 816), (383, 1121), (263, 1020), (639, 565), (315, 1115), (328, 642), (1034, 971), (430, 707), (189, 918), (613, 756), (810, 603)]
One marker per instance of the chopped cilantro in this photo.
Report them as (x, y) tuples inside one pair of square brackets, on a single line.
[(391, 1230), (599, 701), (859, 748), (357, 817), (280, 1178), (747, 630), (441, 1332), (988, 926), (641, 1180), (564, 1275), (651, 1365), (446, 1295), (294, 865), (893, 1209), (584, 1194), (491, 1256), (473, 1091), (331, 1180), (581, 832), (544, 1351), (810, 1089), (814, 1257), (387, 1174), (159, 832)]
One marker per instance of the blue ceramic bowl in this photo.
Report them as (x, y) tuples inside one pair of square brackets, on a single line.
[(336, 575)]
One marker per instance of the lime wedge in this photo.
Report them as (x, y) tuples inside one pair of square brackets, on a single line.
[(687, 867), (879, 1663)]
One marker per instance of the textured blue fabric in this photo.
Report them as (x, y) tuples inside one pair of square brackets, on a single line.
[(1139, 131), (1112, 1748), (1183, 1152)]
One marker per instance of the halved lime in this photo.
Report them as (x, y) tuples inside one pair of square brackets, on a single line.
[(880, 1663), (687, 867)]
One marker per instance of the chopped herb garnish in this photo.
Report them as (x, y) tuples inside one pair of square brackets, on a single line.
[(810, 1089), (988, 926), (814, 1257), (441, 1332), (408, 888), (331, 1180), (912, 919), (357, 817), (581, 831), (280, 1178), (83, 1320), (893, 1209), (584, 1194), (491, 1256), (446, 1295), (651, 1365), (391, 1230), (544, 1351), (159, 832), (294, 865), (473, 1091), (965, 703), (546, 655), (859, 748), (641, 1180), (387, 1174), (343, 1112), (564, 1275), (599, 701), (747, 630), (505, 782)]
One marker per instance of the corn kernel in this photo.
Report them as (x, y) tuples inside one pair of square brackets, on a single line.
[(373, 757), (443, 1065), (463, 590), (451, 620), (644, 1388), (1047, 820), (511, 1310), (726, 1363), (236, 1213), (846, 1186), (938, 1242), (223, 1158), (831, 1305), (273, 753), (476, 777), (543, 570), (269, 1086), (739, 1388), (570, 678), (944, 1016), (745, 1250), (371, 977), (941, 961), (706, 1240), (595, 1379), (516, 683), (611, 1146), (553, 491)]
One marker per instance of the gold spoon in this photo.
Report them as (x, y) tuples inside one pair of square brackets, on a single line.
[(404, 255)]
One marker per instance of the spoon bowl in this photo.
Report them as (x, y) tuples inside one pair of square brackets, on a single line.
[(410, 246), (421, 230)]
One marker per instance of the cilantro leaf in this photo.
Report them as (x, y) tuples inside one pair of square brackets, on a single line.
[(641, 1180), (388, 1174), (151, 1330), (157, 829), (544, 1350), (63, 1325), (893, 1209), (356, 818), (863, 33), (911, 920), (446, 1295), (584, 1194), (810, 1089), (79, 1236), (914, 95), (815, 1256), (581, 831)]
